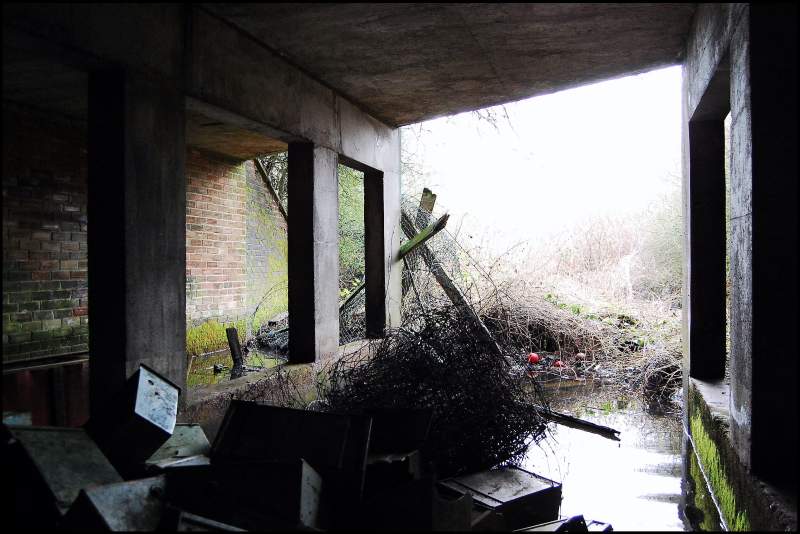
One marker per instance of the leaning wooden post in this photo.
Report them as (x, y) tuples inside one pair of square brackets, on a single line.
[(236, 353), (452, 291)]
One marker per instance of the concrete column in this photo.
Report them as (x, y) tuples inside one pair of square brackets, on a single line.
[(706, 250), (313, 236), (773, 96), (136, 232)]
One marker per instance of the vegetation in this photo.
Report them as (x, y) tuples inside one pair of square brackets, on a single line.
[(351, 230)]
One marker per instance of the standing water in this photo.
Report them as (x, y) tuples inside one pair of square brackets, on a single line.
[(634, 483)]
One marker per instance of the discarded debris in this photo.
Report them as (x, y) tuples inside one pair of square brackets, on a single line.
[(49, 466), (482, 413), (570, 524), (126, 506), (141, 419), (520, 497)]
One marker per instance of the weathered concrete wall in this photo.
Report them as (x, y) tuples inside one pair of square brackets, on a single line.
[(759, 42), (45, 305)]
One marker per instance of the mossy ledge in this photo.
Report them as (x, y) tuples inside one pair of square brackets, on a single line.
[(210, 336)]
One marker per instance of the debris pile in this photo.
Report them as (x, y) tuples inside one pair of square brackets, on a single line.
[(482, 406), (268, 468)]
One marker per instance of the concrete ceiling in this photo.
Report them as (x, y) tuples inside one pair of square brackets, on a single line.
[(406, 63)]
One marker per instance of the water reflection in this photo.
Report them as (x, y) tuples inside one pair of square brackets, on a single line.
[(634, 484), (215, 367)]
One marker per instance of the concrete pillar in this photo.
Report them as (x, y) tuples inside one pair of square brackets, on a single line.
[(706, 250), (313, 236), (136, 232), (773, 97)]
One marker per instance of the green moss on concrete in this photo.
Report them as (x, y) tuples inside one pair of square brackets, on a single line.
[(736, 518), (701, 500), (210, 336)]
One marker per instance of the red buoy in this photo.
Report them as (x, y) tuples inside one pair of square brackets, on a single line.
[(533, 358)]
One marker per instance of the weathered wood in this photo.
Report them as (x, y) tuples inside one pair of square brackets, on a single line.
[(265, 177), (428, 232), (236, 353), (579, 424), (426, 203), (452, 291)]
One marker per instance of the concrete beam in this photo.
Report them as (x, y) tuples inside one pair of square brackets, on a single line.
[(313, 253), (136, 232)]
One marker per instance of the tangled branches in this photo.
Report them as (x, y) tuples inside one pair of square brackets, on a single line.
[(482, 406)]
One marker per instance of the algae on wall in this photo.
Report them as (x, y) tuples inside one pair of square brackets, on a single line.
[(267, 277), (735, 517)]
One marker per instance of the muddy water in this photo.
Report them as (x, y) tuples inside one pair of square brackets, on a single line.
[(201, 368), (634, 484)]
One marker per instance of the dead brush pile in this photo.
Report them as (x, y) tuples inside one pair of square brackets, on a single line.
[(639, 354), (483, 406)]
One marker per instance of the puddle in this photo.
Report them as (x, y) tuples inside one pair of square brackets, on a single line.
[(635, 483), (201, 368)]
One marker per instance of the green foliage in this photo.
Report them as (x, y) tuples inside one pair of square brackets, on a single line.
[(351, 230), (662, 246)]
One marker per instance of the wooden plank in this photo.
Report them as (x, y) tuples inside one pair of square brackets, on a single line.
[(428, 232), (579, 424), (452, 291)]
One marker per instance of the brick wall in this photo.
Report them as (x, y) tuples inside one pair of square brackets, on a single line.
[(45, 310), (236, 239), (236, 263), (215, 238)]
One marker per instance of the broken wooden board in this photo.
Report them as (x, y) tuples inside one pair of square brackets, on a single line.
[(46, 467), (425, 234), (522, 497)]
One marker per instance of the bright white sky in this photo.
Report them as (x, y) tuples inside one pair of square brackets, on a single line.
[(601, 149)]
